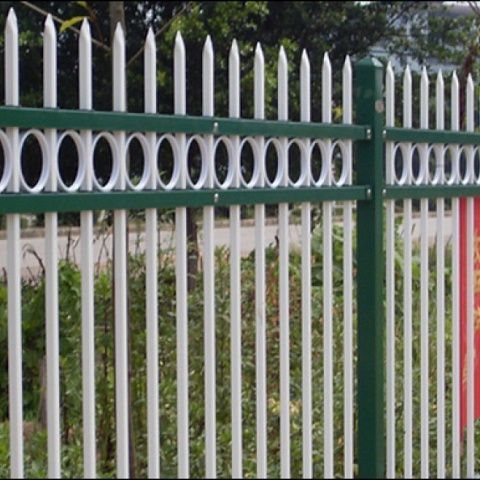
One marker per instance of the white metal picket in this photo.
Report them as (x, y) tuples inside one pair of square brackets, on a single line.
[(284, 248), (456, 376), (433, 400), (235, 273), (151, 232), (181, 267), (348, 340), (390, 281), (86, 238), (260, 317), (15, 387), (306, 284), (51, 258), (440, 298)]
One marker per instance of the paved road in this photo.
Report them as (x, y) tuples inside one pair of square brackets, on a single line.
[(33, 248)]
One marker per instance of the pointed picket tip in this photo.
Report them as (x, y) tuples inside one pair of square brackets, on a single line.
[(327, 66), (424, 74), (469, 81), (455, 84), (85, 30), (440, 78), (347, 65), (208, 43), (282, 85), (259, 61), (49, 30), (282, 62), (150, 36), (305, 58), (49, 22), (208, 50), (12, 24), (305, 64), (258, 51), (150, 68), (179, 40), (150, 47), (85, 67), (424, 79), (407, 76), (150, 44), (234, 52), (234, 80), (118, 36), (389, 73)]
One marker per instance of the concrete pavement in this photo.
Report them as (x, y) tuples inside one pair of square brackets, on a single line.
[(33, 244)]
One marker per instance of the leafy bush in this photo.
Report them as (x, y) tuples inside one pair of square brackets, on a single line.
[(70, 364)]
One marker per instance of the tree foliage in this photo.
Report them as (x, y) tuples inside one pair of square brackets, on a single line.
[(338, 28)]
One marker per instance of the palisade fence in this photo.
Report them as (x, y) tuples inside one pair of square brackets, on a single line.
[(345, 363)]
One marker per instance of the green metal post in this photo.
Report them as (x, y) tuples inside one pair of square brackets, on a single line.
[(369, 165)]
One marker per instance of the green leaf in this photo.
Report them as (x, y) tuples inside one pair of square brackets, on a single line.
[(83, 4), (71, 21)]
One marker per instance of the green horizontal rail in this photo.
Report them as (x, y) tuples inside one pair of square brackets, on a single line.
[(419, 135), (23, 117), (115, 200), (431, 191)]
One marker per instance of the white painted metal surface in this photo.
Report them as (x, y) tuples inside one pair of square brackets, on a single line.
[(260, 313), (328, 441), (209, 273), (407, 289), (470, 290), (151, 232), (284, 288), (51, 258), (181, 268), (15, 387), (390, 282), (348, 296), (120, 266), (235, 274), (405, 435), (305, 100), (87, 265), (440, 298), (424, 281), (456, 374)]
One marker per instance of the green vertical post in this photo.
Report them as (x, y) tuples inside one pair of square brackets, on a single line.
[(370, 371)]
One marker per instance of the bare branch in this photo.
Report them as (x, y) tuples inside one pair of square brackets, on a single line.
[(159, 32), (475, 7), (60, 21)]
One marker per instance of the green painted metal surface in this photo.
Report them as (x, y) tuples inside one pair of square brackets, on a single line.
[(369, 192), (145, 122), (419, 135), (431, 191), (370, 267), (114, 200)]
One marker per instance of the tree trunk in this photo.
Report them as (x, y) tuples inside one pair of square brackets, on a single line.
[(117, 14)]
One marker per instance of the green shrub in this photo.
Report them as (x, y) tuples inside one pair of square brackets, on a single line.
[(71, 375)]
